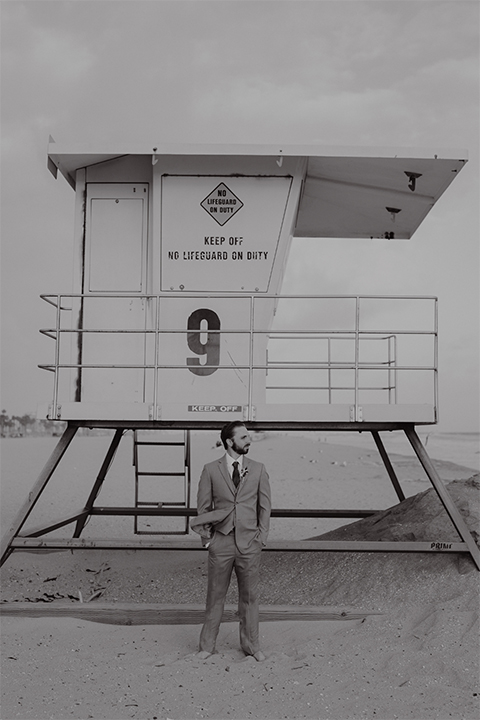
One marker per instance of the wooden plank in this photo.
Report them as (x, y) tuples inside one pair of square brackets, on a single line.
[(278, 545), (160, 614)]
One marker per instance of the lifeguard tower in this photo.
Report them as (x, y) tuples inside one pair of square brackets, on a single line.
[(176, 321)]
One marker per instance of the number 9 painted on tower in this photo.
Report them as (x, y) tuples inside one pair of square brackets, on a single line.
[(210, 348)]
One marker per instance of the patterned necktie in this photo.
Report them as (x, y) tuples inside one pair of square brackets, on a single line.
[(235, 474)]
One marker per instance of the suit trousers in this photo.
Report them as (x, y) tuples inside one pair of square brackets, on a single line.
[(223, 557)]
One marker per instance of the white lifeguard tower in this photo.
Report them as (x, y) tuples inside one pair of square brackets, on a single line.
[(177, 321)]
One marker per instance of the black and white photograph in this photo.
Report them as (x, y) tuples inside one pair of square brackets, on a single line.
[(240, 360)]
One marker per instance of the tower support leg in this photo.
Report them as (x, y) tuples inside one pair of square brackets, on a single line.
[(36, 491), (386, 461), (442, 493), (99, 481)]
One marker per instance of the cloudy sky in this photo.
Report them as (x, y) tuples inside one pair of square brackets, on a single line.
[(381, 73)]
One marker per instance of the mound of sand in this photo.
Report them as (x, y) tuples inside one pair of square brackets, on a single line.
[(388, 580), (421, 517)]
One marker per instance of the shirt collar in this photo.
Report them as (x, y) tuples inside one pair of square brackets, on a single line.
[(231, 460)]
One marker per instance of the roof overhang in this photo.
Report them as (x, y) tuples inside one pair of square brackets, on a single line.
[(347, 193)]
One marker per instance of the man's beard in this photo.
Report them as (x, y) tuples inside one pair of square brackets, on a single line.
[(239, 450)]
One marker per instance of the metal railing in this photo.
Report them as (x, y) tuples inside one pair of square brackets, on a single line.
[(282, 328), (389, 364)]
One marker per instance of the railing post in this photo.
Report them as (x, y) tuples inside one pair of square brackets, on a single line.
[(357, 353), (57, 357), (155, 359), (329, 374), (435, 362), (145, 306), (392, 370), (250, 359), (389, 365)]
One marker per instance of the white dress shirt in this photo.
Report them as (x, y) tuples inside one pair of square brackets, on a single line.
[(231, 460)]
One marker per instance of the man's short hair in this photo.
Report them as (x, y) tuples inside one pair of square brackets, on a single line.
[(228, 431)]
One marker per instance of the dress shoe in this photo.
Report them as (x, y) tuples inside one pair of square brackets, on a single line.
[(259, 656), (203, 654)]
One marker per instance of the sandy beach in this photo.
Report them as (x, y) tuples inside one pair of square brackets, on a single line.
[(410, 652)]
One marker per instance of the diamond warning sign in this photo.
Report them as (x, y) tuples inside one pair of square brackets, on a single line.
[(222, 204)]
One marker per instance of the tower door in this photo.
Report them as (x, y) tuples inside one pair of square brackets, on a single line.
[(115, 263)]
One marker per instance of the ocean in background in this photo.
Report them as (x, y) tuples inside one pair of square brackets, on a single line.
[(459, 448)]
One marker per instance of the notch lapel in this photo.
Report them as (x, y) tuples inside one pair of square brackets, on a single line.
[(245, 470)]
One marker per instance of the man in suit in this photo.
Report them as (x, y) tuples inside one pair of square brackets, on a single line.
[(233, 506)]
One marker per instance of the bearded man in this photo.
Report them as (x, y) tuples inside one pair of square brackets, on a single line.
[(233, 516)]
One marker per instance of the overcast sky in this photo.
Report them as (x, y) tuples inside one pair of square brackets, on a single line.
[(381, 73)]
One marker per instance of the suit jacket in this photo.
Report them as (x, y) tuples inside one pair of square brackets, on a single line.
[(246, 508)]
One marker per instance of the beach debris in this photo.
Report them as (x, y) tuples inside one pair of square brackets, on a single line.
[(103, 568), (46, 597), (50, 579), (97, 589)]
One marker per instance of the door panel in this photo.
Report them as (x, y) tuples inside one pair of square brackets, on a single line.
[(116, 238), (115, 262)]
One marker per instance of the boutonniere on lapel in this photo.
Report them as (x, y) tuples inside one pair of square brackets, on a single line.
[(243, 473)]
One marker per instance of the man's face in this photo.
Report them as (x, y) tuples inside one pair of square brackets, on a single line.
[(241, 441)]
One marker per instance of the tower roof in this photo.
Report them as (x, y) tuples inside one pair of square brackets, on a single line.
[(348, 192)]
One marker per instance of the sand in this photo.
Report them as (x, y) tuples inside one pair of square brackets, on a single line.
[(414, 654)]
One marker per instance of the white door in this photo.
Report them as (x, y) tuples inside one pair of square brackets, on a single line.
[(115, 262)]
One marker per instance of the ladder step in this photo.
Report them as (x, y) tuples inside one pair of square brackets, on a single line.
[(161, 532), (163, 474), (153, 442), (156, 504)]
